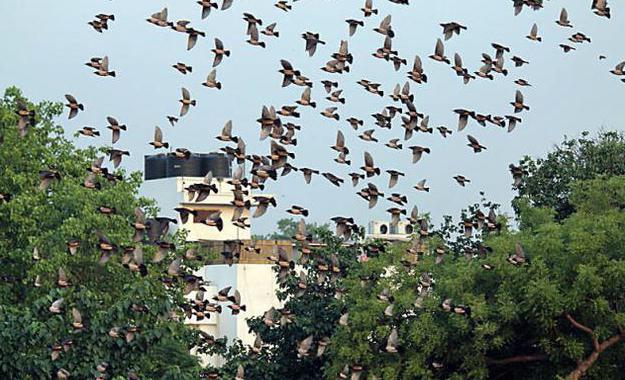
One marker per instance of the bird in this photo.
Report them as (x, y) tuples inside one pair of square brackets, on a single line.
[(600, 8), (385, 27), (421, 186), (158, 139), (619, 69), (512, 122), (392, 342), (462, 180), (368, 9), (186, 101), (254, 37), (270, 31), (519, 257), (450, 28), (73, 106), (288, 72), (567, 48), (369, 167), (518, 103), (417, 153), (219, 52), (394, 177), (564, 19), (353, 25), (473, 143), (159, 19), (416, 74), (330, 113), (439, 53), (336, 181), (103, 68), (305, 99), (339, 146), (115, 127), (183, 68), (533, 36), (206, 5), (312, 40)]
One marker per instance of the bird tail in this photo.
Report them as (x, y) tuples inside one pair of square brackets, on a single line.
[(313, 104), (166, 145), (374, 11), (227, 53), (294, 142), (377, 171), (342, 100), (112, 73), (190, 69), (336, 116), (96, 133), (277, 34), (81, 107), (262, 44), (218, 85), (305, 212)]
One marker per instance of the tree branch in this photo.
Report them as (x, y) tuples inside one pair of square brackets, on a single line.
[(516, 359), (585, 329)]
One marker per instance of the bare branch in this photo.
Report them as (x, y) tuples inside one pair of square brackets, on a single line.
[(517, 359), (585, 329)]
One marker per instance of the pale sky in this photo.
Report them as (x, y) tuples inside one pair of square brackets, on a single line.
[(45, 46)]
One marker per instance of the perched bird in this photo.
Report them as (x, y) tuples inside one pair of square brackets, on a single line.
[(392, 342)]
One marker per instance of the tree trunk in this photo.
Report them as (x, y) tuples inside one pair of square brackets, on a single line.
[(585, 364)]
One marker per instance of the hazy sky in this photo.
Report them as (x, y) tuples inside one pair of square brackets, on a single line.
[(45, 46)]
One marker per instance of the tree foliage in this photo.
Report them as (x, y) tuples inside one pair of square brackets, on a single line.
[(548, 180), (287, 227), (35, 228), (558, 314), (314, 311)]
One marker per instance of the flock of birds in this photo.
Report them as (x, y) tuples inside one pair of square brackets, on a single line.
[(277, 124)]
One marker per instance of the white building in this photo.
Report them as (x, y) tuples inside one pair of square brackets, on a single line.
[(167, 177)]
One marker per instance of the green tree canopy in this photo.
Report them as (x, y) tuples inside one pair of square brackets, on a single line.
[(547, 182), (127, 318), (557, 311)]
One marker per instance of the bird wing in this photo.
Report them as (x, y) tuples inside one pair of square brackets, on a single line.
[(439, 51)]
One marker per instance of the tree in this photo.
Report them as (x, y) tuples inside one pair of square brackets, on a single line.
[(538, 303), (69, 300), (311, 311), (548, 180), (287, 228)]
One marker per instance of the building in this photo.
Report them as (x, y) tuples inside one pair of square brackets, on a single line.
[(383, 230), (167, 178)]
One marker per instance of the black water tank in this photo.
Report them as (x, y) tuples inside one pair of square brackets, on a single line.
[(217, 163), (184, 167), (155, 166), (197, 165)]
